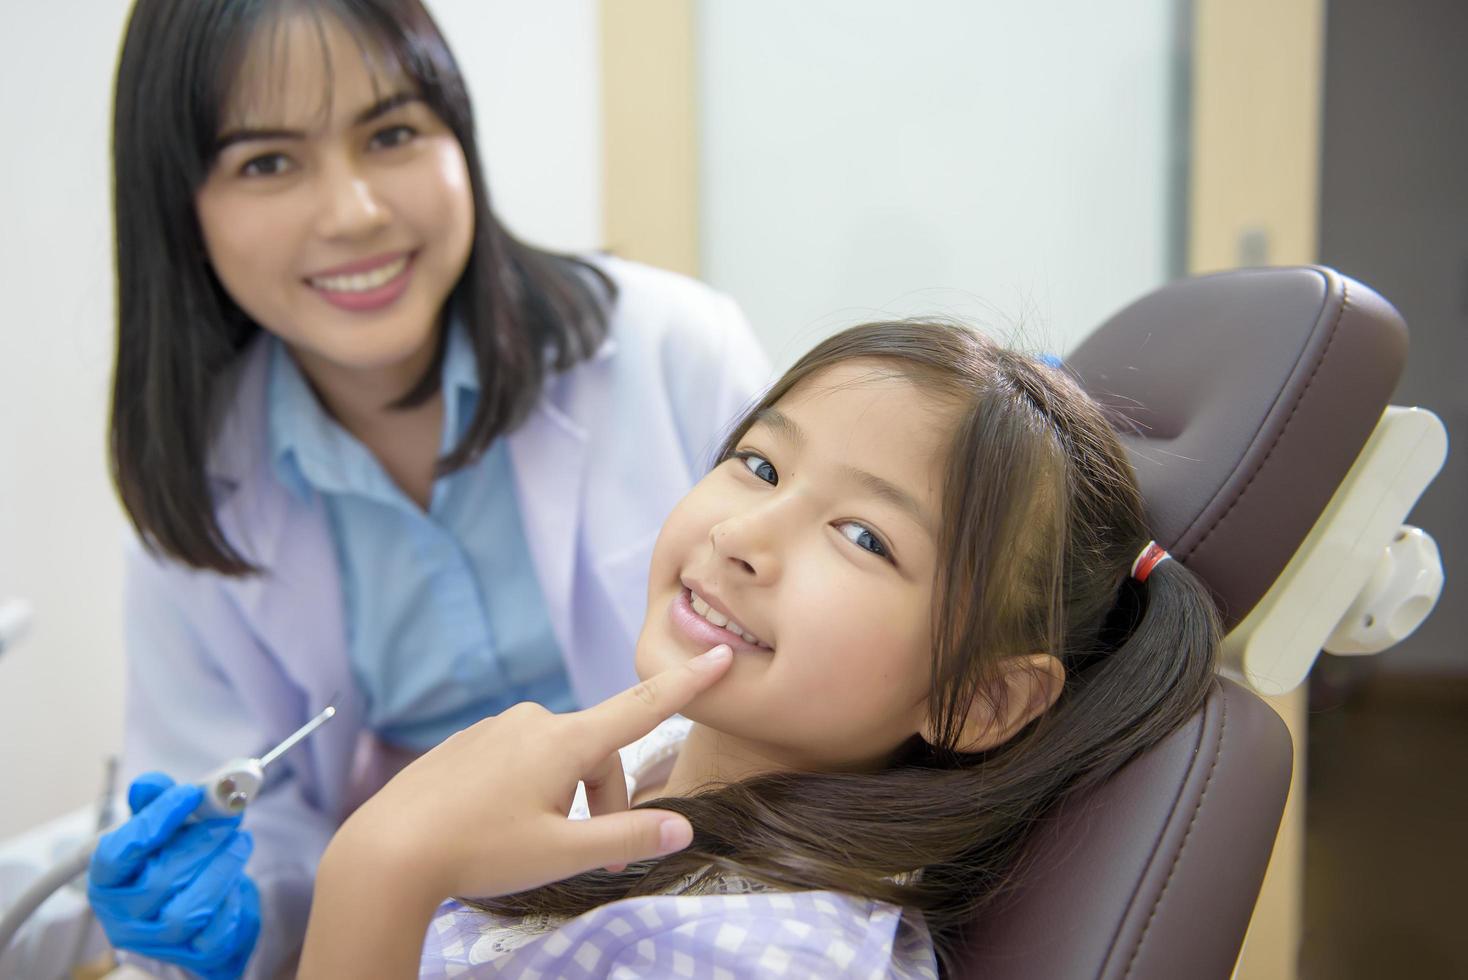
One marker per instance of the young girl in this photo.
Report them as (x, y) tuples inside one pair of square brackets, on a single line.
[(377, 451), (929, 558)]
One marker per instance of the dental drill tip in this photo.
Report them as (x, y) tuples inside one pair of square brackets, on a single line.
[(297, 736)]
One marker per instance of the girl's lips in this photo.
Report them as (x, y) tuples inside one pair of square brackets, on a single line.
[(703, 633), (370, 299)]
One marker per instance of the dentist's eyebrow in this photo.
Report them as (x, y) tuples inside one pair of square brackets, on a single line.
[(378, 109), (786, 428), (383, 106)]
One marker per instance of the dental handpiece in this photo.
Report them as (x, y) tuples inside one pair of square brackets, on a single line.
[(227, 791), (231, 787)]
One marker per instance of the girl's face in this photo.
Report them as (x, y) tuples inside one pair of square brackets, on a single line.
[(817, 539), (340, 224)]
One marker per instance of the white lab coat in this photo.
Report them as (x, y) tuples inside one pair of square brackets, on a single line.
[(221, 667)]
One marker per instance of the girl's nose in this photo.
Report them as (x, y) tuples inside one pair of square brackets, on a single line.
[(747, 544), (351, 208)]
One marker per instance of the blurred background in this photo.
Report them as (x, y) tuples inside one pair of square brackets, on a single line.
[(1031, 167)]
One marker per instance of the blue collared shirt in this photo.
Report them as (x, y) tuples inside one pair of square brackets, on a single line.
[(445, 620)]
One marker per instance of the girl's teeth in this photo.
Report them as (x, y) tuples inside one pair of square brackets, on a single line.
[(724, 622), (709, 612), (362, 282)]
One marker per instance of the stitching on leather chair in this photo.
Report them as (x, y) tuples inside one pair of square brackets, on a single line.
[(1156, 850), (1334, 333), (1183, 845)]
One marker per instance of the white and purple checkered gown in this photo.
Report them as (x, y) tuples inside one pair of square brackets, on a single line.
[(731, 929), (797, 935)]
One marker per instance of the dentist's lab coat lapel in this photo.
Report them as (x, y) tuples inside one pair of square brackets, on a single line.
[(296, 608), (548, 458), (551, 462)]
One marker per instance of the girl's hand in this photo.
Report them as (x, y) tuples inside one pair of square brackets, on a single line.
[(484, 814)]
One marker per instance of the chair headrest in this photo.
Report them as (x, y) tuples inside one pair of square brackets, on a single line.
[(1154, 874), (1243, 398)]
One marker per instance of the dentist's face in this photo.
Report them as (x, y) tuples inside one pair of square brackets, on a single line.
[(339, 213), (817, 539)]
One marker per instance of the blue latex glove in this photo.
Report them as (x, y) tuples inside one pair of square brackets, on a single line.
[(176, 891)]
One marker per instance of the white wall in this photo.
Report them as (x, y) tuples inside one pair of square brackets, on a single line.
[(60, 530), (1002, 162), (534, 75), (858, 156)]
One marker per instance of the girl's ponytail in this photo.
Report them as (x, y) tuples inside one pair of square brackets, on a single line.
[(1147, 681)]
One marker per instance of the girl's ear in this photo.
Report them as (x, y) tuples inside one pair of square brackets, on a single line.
[(1025, 689)]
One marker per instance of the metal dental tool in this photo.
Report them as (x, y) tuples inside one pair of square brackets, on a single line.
[(227, 791), (231, 787)]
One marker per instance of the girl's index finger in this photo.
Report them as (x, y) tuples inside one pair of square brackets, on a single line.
[(624, 718)]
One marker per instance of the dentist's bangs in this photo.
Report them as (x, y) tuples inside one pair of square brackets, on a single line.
[(254, 60)]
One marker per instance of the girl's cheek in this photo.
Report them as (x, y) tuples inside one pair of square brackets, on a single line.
[(863, 631), (675, 541)]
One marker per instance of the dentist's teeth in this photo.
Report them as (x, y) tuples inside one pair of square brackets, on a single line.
[(362, 282)]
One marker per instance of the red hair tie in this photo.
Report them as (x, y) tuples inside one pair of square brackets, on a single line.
[(1152, 556)]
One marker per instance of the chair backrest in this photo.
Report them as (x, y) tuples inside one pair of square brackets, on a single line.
[(1243, 399)]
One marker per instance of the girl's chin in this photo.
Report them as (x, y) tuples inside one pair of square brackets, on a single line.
[(657, 654), (701, 713)]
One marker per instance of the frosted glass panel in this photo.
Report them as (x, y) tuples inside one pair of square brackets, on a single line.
[(1010, 163)]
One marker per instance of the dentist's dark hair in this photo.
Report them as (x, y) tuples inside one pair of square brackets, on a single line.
[(527, 312), (1041, 520)]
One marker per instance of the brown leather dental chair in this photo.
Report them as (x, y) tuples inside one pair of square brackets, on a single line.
[(1244, 399)]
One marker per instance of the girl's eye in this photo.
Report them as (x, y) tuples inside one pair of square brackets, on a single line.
[(393, 136), (760, 467), (266, 165), (863, 538)]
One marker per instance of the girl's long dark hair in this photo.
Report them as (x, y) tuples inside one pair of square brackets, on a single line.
[(1041, 520), (527, 312)]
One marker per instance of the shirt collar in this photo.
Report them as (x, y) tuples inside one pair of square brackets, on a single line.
[(460, 382), (299, 430), (310, 450)]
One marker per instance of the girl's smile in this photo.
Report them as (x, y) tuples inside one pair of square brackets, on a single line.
[(697, 619)]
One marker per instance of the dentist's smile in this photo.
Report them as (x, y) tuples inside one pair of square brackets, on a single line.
[(366, 285)]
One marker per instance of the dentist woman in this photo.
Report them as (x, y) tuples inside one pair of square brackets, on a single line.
[(377, 451)]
